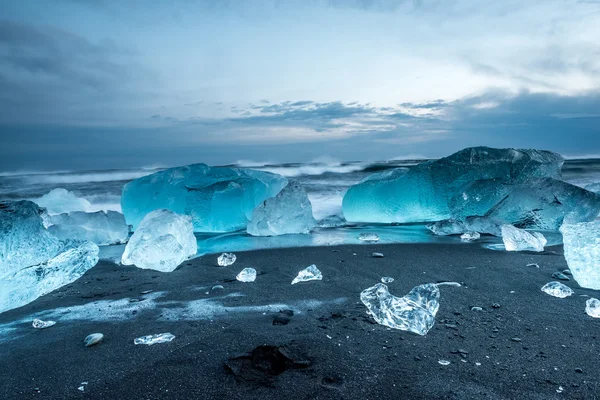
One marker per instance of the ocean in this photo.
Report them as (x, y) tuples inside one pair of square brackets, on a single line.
[(325, 181)]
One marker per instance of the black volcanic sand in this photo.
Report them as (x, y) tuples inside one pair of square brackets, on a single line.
[(528, 343)]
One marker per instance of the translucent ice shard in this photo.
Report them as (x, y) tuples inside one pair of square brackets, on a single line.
[(516, 239), (414, 312), (218, 199), (102, 228), (93, 339), (246, 275), (288, 212), (592, 307), (59, 201), (424, 192), (387, 279), (470, 236), (39, 324), (32, 261), (368, 237), (557, 289), (581, 243), (162, 241), (332, 221), (153, 339), (226, 259), (310, 273)]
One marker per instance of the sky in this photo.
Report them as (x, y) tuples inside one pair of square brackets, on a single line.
[(99, 84)]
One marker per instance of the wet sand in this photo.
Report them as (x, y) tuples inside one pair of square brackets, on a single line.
[(524, 343)]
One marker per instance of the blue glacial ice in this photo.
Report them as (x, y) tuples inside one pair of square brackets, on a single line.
[(581, 244), (427, 191), (516, 239), (218, 199), (102, 228), (32, 261), (593, 187), (287, 213), (162, 242), (60, 200)]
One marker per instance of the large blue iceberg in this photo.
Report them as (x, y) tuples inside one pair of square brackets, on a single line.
[(429, 191), (32, 261), (218, 199)]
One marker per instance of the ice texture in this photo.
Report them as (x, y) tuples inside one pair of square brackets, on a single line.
[(516, 239), (218, 199), (426, 191), (39, 324), (544, 204), (287, 213), (368, 237), (593, 187), (162, 242), (32, 261), (581, 243), (102, 228), (153, 339), (226, 259), (332, 221), (470, 236), (592, 307), (59, 201), (246, 275), (557, 289), (414, 312), (481, 225), (310, 273)]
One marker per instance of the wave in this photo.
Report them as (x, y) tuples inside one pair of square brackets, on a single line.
[(313, 169), (84, 177), (582, 157)]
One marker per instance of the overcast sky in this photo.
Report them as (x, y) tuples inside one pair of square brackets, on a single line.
[(118, 84)]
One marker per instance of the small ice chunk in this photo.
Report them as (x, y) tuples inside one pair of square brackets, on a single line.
[(289, 212), (516, 239), (557, 289), (60, 200), (217, 287), (592, 307), (377, 255), (246, 275), (310, 273), (332, 221), (454, 284), (162, 241), (476, 308), (368, 237), (470, 236), (92, 339), (414, 312), (444, 362), (153, 339), (582, 252), (39, 324), (387, 279), (560, 276), (533, 265), (226, 259)]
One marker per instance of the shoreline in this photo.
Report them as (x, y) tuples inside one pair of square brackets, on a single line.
[(529, 347)]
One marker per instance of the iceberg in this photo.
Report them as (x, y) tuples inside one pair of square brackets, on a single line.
[(32, 261), (287, 213), (424, 193), (59, 201), (310, 273), (557, 289), (592, 307), (414, 312), (102, 228), (516, 239), (481, 225), (581, 243), (218, 199), (246, 275), (162, 242)]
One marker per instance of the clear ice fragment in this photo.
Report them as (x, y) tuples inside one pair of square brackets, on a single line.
[(310, 273), (102, 228), (332, 221), (92, 339), (560, 276), (592, 307), (414, 312), (60, 200), (387, 279), (444, 362), (162, 241), (39, 324), (377, 255), (368, 237), (557, 289), (226, 259), (516, 239), (581, 243), (218, 199), (246, 275), (153, 339), (470, 236)]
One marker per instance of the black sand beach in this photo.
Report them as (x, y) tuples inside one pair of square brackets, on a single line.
[(524, 344)]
